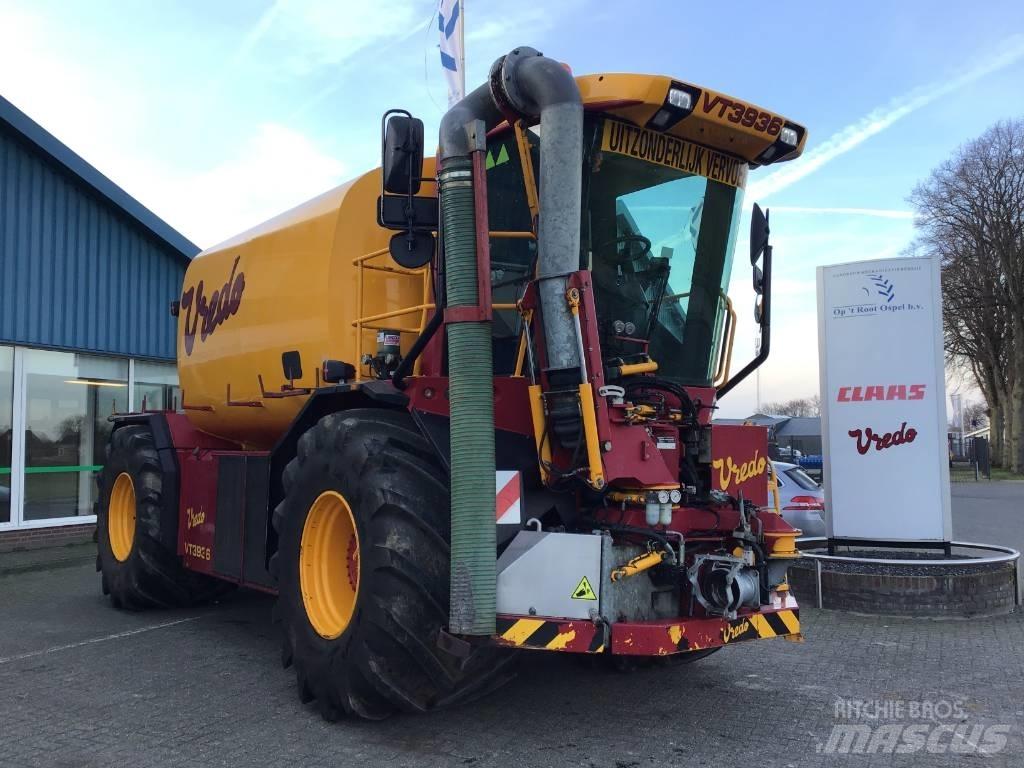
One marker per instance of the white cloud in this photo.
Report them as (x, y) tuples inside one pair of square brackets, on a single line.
[(322, 33), (271, 167), (1006, 53), (273, 170), (528, 22), (59, 96)]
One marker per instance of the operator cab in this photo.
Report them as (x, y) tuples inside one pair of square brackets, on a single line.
[(657, 239)]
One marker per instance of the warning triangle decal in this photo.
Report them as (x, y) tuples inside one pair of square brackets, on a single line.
[(584, 591)]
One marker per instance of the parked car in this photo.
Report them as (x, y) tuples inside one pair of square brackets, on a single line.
[(788, 452), (801, 499), (812, 461)]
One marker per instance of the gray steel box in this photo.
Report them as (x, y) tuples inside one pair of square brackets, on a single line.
[(539, 573)]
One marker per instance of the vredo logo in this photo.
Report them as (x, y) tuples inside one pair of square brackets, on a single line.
[(873, 293), (731, 474), (212, 311), (867, 437)]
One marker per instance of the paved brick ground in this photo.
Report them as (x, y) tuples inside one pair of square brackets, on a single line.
[(84, 685)]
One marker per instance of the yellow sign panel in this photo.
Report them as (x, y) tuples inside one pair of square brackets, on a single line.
[(672, 152), (584, 591)]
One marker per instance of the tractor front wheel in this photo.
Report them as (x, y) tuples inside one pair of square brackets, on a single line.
[(363, 570)]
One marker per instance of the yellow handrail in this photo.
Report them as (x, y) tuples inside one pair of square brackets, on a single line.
[(725, 354), (424, 307), (371, 323)]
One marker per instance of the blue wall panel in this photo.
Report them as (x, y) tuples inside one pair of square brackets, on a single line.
[(77, 272)]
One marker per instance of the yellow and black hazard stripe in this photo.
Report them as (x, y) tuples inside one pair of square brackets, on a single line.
[(761, 626), (550, 635)]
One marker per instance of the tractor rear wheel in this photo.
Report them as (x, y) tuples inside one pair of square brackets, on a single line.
[(363, 568), (139, 570)]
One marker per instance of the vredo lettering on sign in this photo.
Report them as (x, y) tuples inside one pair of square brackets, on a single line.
[(861, 394), (867, 437), (730, 473)]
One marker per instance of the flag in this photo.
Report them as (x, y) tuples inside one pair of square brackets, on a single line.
[(449, 19)]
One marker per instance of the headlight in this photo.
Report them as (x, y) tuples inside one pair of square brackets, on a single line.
[(680, 98), (664, 496), (789, 136)]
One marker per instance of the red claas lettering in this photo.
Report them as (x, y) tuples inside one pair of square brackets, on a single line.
[(862, 393)]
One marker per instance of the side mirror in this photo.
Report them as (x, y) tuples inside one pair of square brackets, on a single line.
[(759, 246), (411, 249), (758, 233), (402, 153), (398, 206)]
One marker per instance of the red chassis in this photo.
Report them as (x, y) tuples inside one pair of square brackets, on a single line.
[(650, 638)]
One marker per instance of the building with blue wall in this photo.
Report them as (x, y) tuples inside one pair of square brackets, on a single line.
[(87, 276)]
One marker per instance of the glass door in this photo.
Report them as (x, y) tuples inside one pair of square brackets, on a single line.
[(6, 433), (68, 399)]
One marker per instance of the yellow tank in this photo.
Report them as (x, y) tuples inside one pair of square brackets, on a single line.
[(291, 283)]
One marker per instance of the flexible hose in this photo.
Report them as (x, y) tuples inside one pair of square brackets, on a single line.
[(473, 536)]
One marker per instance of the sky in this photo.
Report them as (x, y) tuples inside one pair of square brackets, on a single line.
[(219, 115)]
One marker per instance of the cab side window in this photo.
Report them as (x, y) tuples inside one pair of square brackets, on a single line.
[(512, 259)]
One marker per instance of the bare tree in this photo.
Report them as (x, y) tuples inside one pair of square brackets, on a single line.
[(975, 417), (800, 406), (970, 214)]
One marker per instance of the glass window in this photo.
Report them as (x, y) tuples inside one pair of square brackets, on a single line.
[(512, 259), (156, 387), (661, 243), (802, 479), (6, 429), (68, 398)]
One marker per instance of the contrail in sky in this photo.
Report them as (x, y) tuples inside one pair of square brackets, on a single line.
[(1008, 52), (880, 213), (252, 38), (257, 32)]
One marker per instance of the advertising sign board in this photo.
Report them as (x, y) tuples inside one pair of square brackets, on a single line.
[(883, 400)]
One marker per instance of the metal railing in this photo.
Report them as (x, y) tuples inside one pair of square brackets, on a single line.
[(423, 307), (1008, 555)]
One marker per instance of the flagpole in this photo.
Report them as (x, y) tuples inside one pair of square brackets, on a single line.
[(462, 48)]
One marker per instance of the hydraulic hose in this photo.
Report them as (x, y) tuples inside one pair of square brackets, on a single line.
[(405, 367)]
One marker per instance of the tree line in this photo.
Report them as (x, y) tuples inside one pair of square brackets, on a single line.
[(970, 215)]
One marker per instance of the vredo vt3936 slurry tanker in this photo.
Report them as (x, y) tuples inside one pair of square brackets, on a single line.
[(461, 406)]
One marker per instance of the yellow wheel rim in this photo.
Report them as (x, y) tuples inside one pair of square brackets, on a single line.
[(329, 564), (121, 517)]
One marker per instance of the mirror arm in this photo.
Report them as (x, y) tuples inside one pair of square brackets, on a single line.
[(766, 336)]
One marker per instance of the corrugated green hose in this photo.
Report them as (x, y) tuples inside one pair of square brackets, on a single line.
[(473, 539)]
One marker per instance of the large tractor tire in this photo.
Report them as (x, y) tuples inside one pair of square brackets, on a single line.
[(138, 570), (363, 568)]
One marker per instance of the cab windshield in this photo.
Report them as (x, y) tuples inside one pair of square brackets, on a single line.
[(660, 242)]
